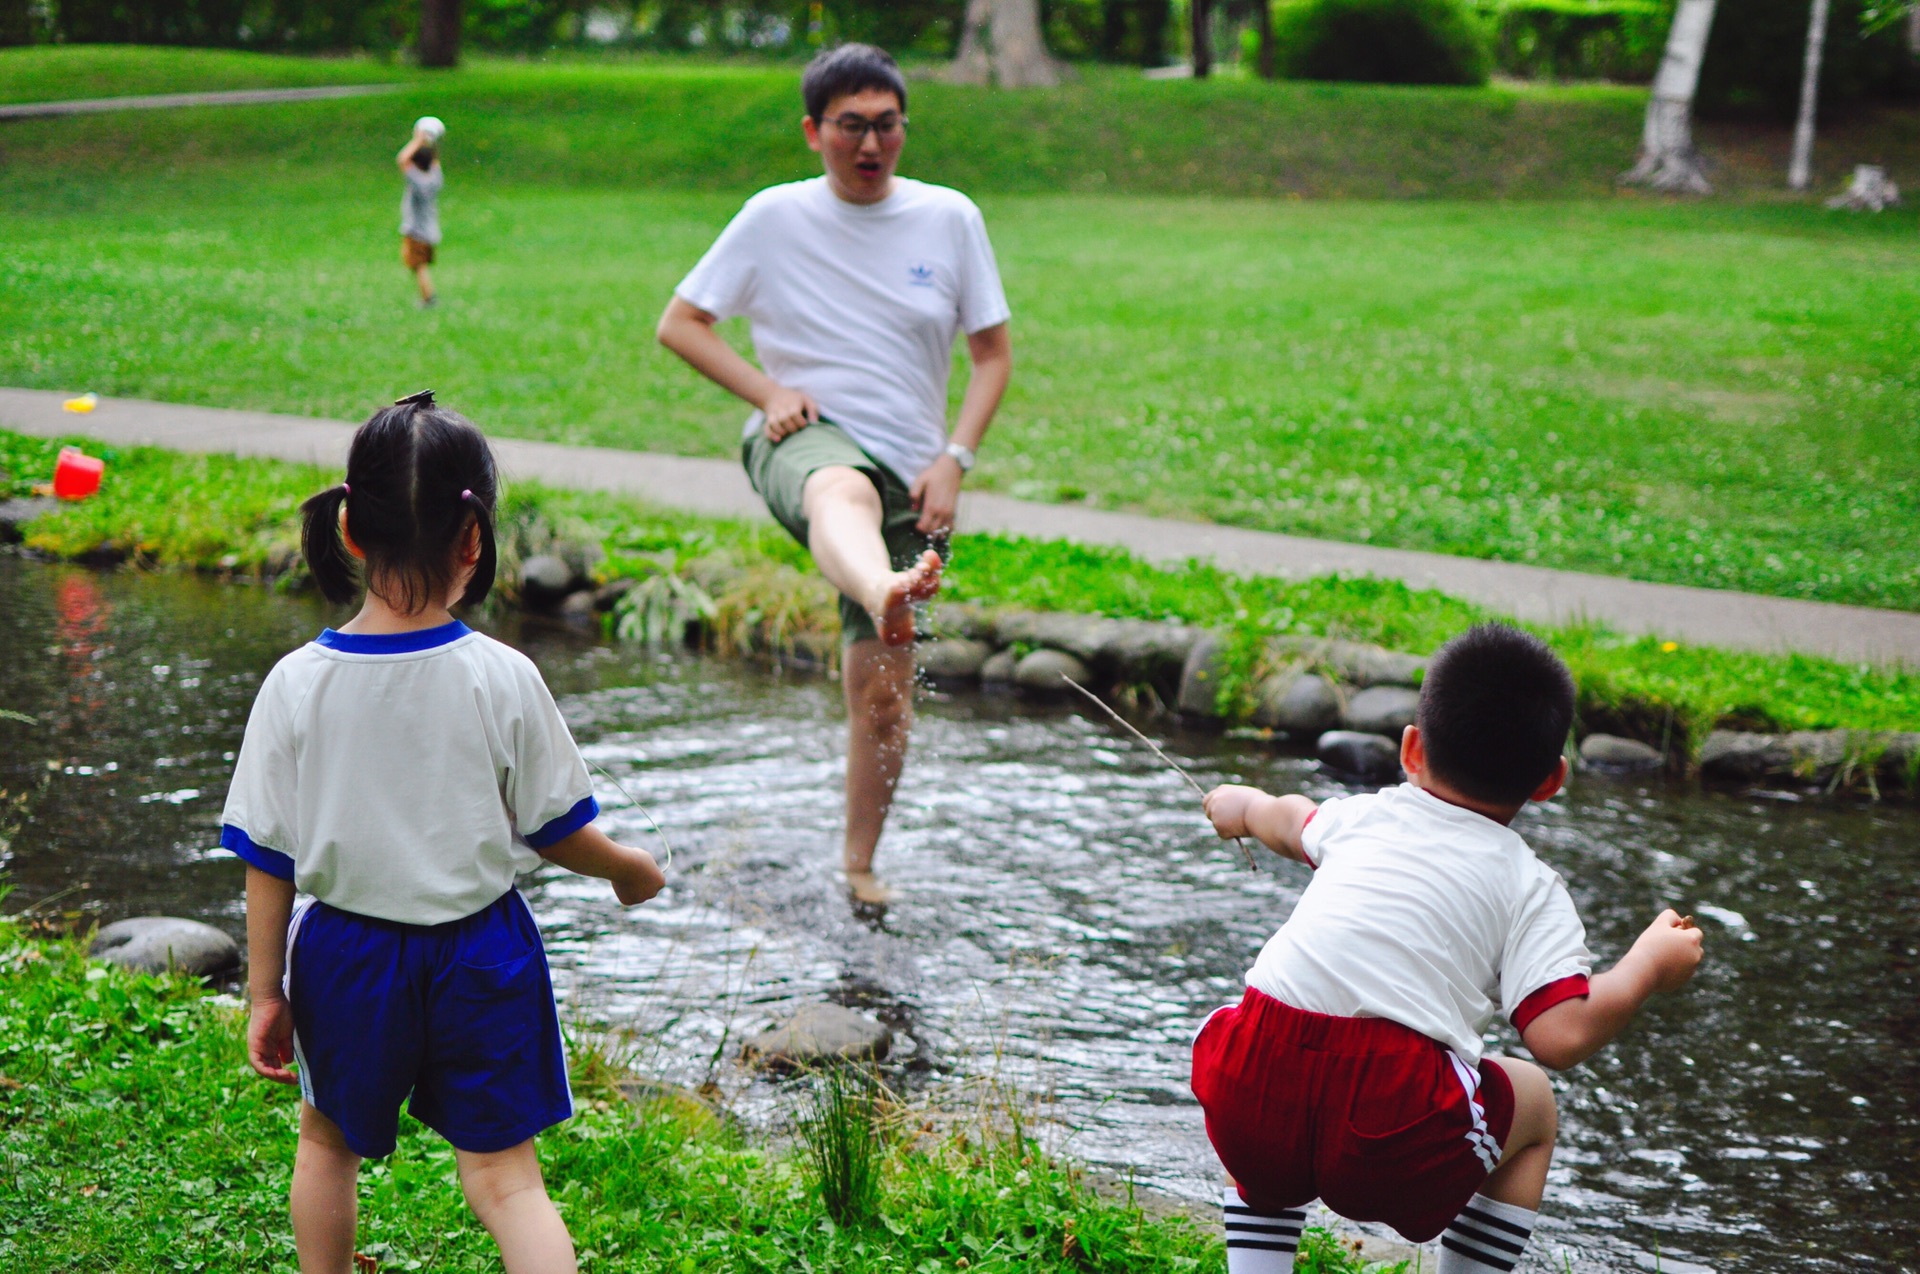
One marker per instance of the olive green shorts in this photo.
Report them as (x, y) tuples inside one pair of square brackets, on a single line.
[(779, 472)]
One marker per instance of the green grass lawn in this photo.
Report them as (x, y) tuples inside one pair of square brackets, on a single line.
[(1716, 394)]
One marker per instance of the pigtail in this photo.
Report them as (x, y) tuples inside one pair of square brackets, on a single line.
[(483, 570), (321, 545)]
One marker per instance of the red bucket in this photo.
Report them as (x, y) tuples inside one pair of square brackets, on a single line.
[(76, 475)]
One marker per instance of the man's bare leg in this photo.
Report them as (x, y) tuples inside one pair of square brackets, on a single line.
[(878, 680), (843, 514)]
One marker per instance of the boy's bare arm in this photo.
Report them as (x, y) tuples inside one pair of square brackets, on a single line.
[(591, 852), (1275, 821), (1661, 959), (687, 330), (270, 1020), (407, 152)]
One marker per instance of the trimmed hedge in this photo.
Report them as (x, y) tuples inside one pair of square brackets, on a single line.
[(1577, 39), (1383, 42)]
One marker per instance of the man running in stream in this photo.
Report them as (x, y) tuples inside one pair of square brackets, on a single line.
[(855, 284)]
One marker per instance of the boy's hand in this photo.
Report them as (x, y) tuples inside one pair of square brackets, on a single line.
[(270, 1039), (1671, 949), (1227, 807), (641, 880)]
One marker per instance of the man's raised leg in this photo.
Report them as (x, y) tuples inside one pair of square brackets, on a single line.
[(878, 680), (1491, 1232), (844, 513)]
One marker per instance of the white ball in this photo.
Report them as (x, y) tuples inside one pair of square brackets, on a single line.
[(431, 126)]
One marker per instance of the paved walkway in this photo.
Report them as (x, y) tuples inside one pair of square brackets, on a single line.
[(1707, 616), (161, 101)]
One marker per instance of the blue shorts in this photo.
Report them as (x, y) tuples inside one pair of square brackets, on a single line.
[(459, 1015)]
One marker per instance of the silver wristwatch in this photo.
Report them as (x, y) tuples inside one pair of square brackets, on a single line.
[(963, 454)]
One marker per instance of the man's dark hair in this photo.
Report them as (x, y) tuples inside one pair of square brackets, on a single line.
[(850, 68), (1495, 710), (418, 478)]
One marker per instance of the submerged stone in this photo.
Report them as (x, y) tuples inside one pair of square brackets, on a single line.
[(154, 944), (1611, 752), (821, 1033), (1381, 710), (1809, 755), (952, 658), (1298, 703), (545, 581), (1367, 756)]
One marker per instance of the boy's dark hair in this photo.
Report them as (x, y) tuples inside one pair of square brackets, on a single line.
[(1495, 709), (418, 476), (850, 68), (423, 159)]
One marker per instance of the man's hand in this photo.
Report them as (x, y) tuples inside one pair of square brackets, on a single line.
[(788, 411), (1670, 949), (270, 1038), (936, 493), (641, 879)]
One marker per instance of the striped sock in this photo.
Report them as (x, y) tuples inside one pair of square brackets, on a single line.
[(1259, 1244), (1487, 1235)]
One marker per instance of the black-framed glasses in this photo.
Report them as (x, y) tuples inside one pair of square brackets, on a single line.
[(855, 127)]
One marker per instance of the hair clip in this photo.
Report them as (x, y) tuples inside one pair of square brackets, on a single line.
[(345, 489), (467, 494), (422, 399)]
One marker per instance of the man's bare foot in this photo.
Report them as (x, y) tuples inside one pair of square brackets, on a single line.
[(915, 584), (867, 888)]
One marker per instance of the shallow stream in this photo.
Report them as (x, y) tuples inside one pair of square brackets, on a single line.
[(1065, 920)]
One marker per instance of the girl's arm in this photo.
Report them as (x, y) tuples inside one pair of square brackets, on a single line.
[(1275, 821), (1661, 959), (591, 852), (270, 1022)]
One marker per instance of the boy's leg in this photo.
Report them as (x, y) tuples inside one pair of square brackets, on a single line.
[(844, 514), (505, 1190), (324, 1205), (1259, 1243), (878, 682), (1492, 1231)]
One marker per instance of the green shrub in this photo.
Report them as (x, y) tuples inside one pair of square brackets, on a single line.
[(1756, 52), (1382, 42), (1577, 39)]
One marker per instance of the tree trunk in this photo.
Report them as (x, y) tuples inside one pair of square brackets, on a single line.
[(970, 64), (1020, 57), (439, 33), (1800, 167), (1201, 13), (1263, 23), (1668, 160), (1913, 30)]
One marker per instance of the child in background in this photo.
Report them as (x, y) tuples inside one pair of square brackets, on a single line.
[(402, 771), (1351, 1071), (419, 162)]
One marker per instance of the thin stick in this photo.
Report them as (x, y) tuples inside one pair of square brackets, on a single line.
[(1170, 763), (668, 845)]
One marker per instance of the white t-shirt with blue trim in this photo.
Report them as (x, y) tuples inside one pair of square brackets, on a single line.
[(407, 776)]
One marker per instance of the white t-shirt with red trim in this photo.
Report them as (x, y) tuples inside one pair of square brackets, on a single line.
[(1428, 915)]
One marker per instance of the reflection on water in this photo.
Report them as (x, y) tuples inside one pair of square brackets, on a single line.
[(1064, 919)]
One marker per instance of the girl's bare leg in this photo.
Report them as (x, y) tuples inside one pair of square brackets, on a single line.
[(505, 1190), (324, 1206)]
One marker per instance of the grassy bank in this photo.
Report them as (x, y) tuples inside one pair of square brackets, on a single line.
[(1702, 394), (136, 1137), (212, 512)]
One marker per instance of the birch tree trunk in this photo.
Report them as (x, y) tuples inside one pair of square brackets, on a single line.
[(1668, 160), (439, 33), (970, 64), (1800, 167), (1200, 12)]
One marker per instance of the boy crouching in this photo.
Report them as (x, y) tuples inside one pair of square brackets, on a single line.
[(1351, 1071)]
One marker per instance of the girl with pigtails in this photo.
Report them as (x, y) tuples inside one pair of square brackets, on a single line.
[(399, 773)]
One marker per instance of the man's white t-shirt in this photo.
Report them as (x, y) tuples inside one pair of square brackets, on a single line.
[(408, 776), (858, 304), (1428, 915)]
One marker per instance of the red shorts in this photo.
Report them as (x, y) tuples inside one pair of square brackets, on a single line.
[(1375, 1120)]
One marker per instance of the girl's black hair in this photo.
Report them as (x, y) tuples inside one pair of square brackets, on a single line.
[(418, 476), (423, 159)]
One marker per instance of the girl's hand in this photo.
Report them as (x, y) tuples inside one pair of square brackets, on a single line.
[(1671, 949), (270, 1039), (641, 879), (1227, 806)]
